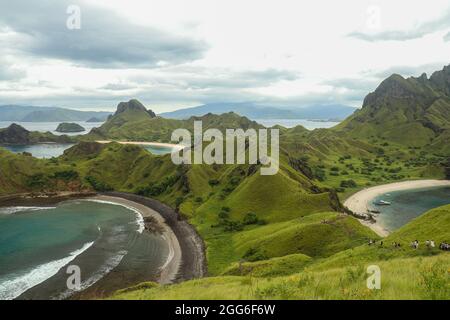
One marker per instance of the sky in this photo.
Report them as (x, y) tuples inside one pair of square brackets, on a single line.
[(171, 54)]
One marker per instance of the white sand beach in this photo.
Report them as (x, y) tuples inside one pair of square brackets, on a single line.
[(360, 201), (171, 267), (143, 143)]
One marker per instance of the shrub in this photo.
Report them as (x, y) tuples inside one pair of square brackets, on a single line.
[(66, 175), (198, 199), (348, 184), (98, 185), (224, 215), (253, 254), (213, 182), (250, 218)]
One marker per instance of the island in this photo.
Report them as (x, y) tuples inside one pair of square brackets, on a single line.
[(69, 127), (94, 119)]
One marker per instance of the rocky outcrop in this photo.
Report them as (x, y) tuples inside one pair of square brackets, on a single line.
[(14, 134), (69, 127), (133, 105)]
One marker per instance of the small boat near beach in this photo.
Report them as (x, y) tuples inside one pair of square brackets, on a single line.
[(382, 203)]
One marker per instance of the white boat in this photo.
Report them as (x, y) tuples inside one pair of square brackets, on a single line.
[(382, 203)]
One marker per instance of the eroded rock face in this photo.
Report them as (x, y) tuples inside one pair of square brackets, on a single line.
[(133, 105), (14, 134)]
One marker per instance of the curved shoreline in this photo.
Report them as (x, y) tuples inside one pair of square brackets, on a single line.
[(192, 248), (187, 258), (360, 201), (169, 270)]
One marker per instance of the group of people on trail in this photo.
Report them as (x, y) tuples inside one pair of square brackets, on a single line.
[(444, 246), (415, 244), (396, 244)]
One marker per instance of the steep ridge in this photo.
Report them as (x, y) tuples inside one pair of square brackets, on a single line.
[(414, 112)]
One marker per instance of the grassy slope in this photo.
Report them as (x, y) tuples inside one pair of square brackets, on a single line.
[(405, 273), (411, 278), (22, 173)]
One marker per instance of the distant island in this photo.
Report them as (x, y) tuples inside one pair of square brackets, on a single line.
[(47, 114), (254, 111), (94, 119), (69, 127)]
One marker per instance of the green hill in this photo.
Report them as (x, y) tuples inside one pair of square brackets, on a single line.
[(413, 112), (406, 273), (15, 134), (69, 127)]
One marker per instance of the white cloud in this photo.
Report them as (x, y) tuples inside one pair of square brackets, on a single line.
[(199, 51)]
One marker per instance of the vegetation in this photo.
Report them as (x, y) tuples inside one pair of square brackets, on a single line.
[(69, 127), (283, 236)]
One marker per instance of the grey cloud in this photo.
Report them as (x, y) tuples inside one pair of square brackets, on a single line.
[(402, 35), (355, 84), (407, 71), (170, 97), (244, 79), (201, 78), (10, 73), (104, 40), (118, 86), (447, 37)]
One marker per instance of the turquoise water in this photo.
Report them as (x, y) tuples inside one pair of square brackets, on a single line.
[(44, 150), (158, 150), (105, 240), (49, 150), (409, 204)]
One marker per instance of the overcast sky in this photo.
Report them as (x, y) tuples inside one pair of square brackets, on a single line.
[(177, 53)]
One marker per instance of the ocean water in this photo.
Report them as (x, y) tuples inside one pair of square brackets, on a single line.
[(409, 204), (51, 126), (157, 150), (42, 150), (106, 241), (49, 150), (289, 123)]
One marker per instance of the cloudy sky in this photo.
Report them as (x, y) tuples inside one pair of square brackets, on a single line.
[(178, 53)]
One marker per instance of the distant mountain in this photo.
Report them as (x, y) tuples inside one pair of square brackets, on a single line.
[(134, 122), (413, 112), (252, 111), (94, 119), (47, 114)]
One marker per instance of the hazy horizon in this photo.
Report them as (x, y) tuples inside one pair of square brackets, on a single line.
[(173, 54)]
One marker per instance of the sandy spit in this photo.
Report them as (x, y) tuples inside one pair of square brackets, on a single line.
[(360, 202)]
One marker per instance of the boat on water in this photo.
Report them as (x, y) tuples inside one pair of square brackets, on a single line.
[(374, 211), (382, 203)]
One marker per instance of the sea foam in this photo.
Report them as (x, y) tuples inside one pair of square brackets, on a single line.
[(10, 289), (12, 210), (139, 217)]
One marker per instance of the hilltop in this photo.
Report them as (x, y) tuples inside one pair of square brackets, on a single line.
[(132, 121), (414, 112)]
